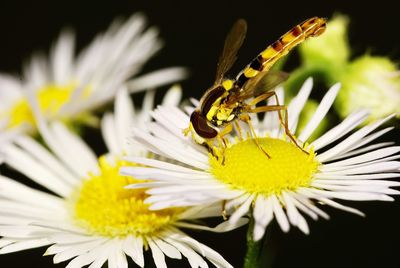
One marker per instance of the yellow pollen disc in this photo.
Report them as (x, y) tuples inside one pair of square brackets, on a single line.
[(104, 207), (50, 98), (246, 167)]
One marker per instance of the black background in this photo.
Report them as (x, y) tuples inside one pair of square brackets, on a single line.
[(194, 34)]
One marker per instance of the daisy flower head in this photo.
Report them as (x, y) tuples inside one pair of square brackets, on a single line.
[(87, 216), (291, 183), (69, 87)]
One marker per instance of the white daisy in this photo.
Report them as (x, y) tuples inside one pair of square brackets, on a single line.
[(69, 87), (285, 187), (89, 217)]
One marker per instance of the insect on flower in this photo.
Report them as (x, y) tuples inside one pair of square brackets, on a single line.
[(231, 99)]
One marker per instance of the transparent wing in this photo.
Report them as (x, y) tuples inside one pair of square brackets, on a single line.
[(263, 82), (233, 42)]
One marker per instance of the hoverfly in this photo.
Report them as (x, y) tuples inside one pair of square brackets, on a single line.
[(231, 99)]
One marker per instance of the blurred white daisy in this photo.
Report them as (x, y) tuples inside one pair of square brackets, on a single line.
[(284, 187), (87, 215), (69, 87)]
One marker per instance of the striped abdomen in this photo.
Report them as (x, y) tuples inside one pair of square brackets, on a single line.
[(264, 61)]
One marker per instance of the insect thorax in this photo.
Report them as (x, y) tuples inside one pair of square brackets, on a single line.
[(215, 107)]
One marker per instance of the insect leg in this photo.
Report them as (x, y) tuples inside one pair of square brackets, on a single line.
[(261, 97), (266, 108), (239, 130), (284, 123), (223, 210), (218, 150), (246, 118), (186, 131), (287, 131)]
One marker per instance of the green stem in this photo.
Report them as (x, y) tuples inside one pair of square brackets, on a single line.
[(254, 248)]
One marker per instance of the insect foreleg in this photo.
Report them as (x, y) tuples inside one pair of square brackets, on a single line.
[(246, 118), (238, 129), (283, 122), (261, 98)]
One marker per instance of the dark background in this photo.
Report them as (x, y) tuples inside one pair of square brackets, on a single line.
[(194, 34)]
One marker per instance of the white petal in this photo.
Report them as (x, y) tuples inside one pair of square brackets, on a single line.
[(242, 210), (342, 207), (74, 144), (207, 252), (368, 168), (365, 157), (225, 226), (294, 216), (25, 211), (348, 124), (76, 250), (263, 215), (84, 259), (109, 134), (103, 255), (320, 113), (173, 96), (353, 196), (123, 117), (133, 247), (19, 192), (158, 255), (353, 139), (164, 175), (366, 188), (362, 150), (67, 238), (309, 204), (362, 142), (46, 158), (215, 258), (65, 144), (172, 151), (35, 170), (62, 57), (162, 165), (168, 249), (280, 214), (296, 105), (355, 177), (304, 208), (14, 89), (198, 212), (22, 245), (117, 258), (5, 241), (156, 79), (194, 259)]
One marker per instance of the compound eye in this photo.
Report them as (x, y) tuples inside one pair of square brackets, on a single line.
[(201, 126)]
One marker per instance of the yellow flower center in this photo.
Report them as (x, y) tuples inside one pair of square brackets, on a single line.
[(246, 167), (50, 99), (104, 207)]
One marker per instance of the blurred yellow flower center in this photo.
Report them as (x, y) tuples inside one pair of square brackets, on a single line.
[(50, 98), (104, 207), (246, 167)]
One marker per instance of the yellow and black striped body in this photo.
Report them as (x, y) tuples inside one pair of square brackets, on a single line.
[(266, 59), (224, 102)]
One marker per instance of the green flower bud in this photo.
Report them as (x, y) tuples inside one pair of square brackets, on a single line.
[(370, 82)]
